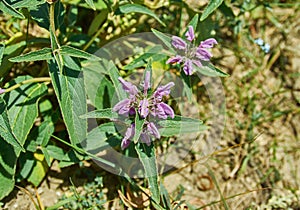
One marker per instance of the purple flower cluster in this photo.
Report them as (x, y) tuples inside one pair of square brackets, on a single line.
[(145, 106), (189, 53)]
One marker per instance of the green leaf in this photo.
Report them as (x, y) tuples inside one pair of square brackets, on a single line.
[(139, 123), (44, 132), (97, 22), (43, 54), (56, 52), (103, 113), (147, 157), (114, 75), (5, 130), (165, 197), (73, 52), (154, 52), (39, 170), (22, 106), (212, 6), (8, 160), (9, 52), (28, 3), (180, 125), (101, 137), (8, 9), (209, 70), (167, 40), (40, 14), (136, 8), (91, 4), (2, 46), (71, 96), (99, 88), (187, 86), (22, 112)]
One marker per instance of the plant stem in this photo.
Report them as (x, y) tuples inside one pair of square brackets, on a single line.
[(39, 79), (52, 21)]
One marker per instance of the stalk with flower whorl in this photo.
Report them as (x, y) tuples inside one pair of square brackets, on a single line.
[(145, 105), (190, 54)]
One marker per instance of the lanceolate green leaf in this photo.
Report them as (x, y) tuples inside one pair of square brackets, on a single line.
[(129, 8), (73, 52), (69, 89), (8, 159), (114, 75), (22, 112), (22, 106), (28, 3), (210, 70), (5, 130), (147, 157), (103, 113), (180, 125), (212, 6), (167, 40), (139, 123), (43, 54), (8, 9)]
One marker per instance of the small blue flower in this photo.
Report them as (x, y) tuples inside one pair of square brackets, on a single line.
[(259, 41), (264, 46)]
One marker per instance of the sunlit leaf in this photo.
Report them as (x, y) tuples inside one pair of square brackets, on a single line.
[(43, 54), (136, 8), (8, 9), (212, 6)]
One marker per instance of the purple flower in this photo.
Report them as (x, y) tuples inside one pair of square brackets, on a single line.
[(178, 43), (145, 105), (190, 35), (128, 87), (189, 54), (128, 135), (2, 91), (163, 110), (143, 108), (152, 129)]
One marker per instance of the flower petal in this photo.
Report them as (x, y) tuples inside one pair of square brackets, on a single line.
[(175, 59), (125, 143), (178, 43), (122, 107), (2, 91), (152, 129), (197, 63), (208, 43), (163, 91), (203, 54), (128, 135), (188, 67), (167, 109), (128, 87), (190, 35), (147, 82), (145, 138), (143, 108)]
